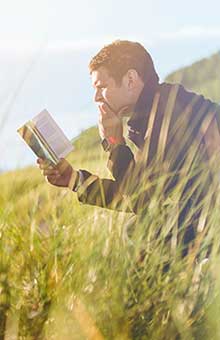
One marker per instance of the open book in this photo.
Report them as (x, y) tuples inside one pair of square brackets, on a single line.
[(45, 138)]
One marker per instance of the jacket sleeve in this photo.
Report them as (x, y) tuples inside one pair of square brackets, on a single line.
[(108, 193), (212, 134)]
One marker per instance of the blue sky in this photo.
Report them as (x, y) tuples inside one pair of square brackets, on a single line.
[(96, 21), (150, 19), (162, 26), (176, 33)]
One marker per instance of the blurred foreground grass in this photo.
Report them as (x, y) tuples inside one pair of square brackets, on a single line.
[(69, 271)]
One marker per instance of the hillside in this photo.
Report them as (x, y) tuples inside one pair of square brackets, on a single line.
[(74, 271), (202, 77)]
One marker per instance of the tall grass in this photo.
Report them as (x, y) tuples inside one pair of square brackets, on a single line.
[(69, 271), (77, 272)]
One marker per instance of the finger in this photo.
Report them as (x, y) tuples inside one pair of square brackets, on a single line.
[(110, 123), (103, 108), (104, 133), (51, 179), (103, 130), (43, 161), (103, 118), (62, 165), (44, 166), (51, 172), (101, 133), (107, 117), (123, 111), (39, 160), (106, 110)]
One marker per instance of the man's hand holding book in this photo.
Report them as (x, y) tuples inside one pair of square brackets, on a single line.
[(61, 175)]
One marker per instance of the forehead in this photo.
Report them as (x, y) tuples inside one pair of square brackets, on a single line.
[(101, 75)]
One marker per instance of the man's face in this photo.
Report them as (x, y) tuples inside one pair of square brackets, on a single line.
[(116, 96)]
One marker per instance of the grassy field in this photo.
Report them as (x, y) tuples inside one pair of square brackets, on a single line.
[(70, 271)]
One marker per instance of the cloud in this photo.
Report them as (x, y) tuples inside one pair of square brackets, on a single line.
[(193, 32), (29, 46), (59, 46), (90, 43)]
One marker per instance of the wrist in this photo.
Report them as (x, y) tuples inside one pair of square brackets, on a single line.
[(110, 143), (114, 141)]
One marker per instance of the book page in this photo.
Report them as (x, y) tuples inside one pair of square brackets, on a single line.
[(52, 134), (35, 143)]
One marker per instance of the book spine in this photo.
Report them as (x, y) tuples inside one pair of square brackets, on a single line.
[(44, 142)]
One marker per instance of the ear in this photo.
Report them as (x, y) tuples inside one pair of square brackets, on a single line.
[(132, 78)]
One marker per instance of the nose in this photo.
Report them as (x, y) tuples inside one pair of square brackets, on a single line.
[(97, 96)]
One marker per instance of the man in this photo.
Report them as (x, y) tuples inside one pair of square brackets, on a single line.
[(171, 128)]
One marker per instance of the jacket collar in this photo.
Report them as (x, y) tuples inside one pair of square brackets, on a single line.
[(137, 124)]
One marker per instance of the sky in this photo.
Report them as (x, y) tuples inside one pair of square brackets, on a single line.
[(28, 23), (176, 33)]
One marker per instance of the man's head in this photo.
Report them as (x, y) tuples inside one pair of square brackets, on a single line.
[(119, 72)]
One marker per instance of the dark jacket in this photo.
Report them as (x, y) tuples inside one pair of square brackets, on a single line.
[(167, 122)]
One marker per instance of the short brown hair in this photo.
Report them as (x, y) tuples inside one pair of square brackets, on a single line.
[(122, 55)]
